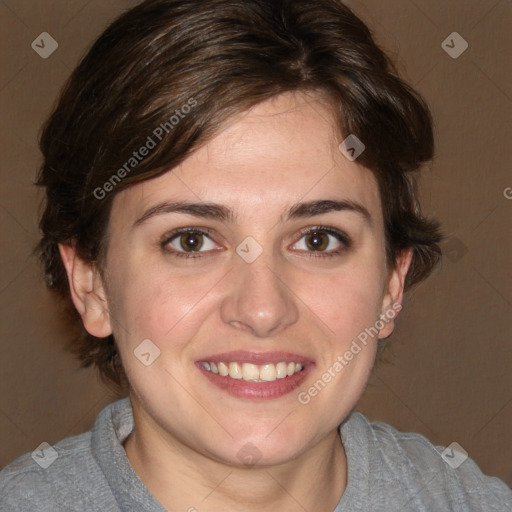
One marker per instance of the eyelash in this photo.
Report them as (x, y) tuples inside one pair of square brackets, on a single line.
[(340, 236), (183, 231)]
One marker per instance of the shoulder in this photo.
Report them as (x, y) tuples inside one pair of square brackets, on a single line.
[(408, 465), (58, 477)]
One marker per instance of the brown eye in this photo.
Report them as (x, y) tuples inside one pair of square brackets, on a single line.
[(317, 241), (191, 241), (188, 241), (323, 241)]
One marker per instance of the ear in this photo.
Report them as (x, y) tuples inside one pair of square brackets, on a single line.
[(87, 292), (393, 294)]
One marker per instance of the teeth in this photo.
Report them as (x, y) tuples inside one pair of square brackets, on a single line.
[(235, 372), (268, 372), (252, 372), (281, 370), (223, 369)]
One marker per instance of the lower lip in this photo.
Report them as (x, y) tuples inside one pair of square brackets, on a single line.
[(257, 390)]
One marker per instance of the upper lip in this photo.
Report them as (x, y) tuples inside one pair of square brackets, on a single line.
[(255, 357)]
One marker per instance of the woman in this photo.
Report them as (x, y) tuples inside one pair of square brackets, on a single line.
[(231, 210)]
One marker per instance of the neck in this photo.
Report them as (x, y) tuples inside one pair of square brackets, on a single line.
[(182, 479)]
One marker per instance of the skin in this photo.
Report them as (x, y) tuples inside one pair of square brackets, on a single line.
[(187, 431)]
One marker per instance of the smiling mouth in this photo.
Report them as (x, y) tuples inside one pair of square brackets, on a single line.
[(249, 372)]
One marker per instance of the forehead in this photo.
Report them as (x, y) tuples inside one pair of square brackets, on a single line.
[(281, 152)]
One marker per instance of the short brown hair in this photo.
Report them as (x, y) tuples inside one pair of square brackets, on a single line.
[(220, 57)]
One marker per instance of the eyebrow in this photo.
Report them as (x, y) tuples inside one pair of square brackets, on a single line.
[(222, 213)]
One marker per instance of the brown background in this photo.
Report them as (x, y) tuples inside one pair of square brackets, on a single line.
[(449, 368)]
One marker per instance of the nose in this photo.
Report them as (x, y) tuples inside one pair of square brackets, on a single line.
[(259, 300)]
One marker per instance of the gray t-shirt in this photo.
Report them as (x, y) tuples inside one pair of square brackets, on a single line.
[(388, 471)]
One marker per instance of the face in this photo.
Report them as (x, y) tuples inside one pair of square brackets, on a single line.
[(261, 256)]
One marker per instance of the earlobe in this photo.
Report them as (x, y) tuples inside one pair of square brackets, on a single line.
[(392, 299), (87, 291)]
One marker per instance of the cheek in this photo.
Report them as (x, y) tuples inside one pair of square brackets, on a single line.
[(346, 302), (156, 304)]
